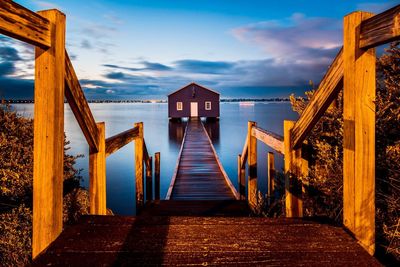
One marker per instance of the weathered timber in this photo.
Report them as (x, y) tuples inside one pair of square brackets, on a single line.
[(244, 152), (295, 169), (139, 144), (199, 175), (241, 178), (97, 174), (271, 175), (79, 105), (207, 241), (117, 141), (149, 180), (380, 29), (146, 156), (20, 23), (157, 176), (359, 134), (327, 91), (272, 140), (252, 189), (48, 147)]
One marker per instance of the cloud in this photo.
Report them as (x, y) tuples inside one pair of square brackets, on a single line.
[(146, 66), (9, 53), (206, 67), (376, 7), (297, 38), (115, 75), (86, 44)]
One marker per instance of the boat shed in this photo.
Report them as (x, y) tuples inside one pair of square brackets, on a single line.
[(193, 100)]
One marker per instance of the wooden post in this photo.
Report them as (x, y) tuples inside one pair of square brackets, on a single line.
[(295, 169), (271, 176), (252, 162), (359, 134), (139, 167), (48, 153), (157, 176), (97, 174), (241, 178), (149, 182)]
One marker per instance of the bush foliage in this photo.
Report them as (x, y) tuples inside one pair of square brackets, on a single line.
[(325, 192), (16, 177)]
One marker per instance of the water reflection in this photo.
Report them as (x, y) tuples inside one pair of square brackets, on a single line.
[(212, 128), (176, 131)]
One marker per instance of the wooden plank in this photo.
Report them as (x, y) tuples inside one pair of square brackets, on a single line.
[(149, 181), (79, 105), (97, 174), (157, 176), (327, 91), (48, 152), (244, 152), (252, 189), (271, 175), (20, 23), (117, 141), (171, 186), (139, 144), (272, 140), (294, 170), (221, 168), (359, 134), (380, 29), (241, 178)]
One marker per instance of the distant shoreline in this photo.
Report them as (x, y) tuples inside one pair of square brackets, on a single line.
[(233, 100)]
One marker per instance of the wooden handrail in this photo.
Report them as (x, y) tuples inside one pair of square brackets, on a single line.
[(323, 97), (243, 156), (79, 105), (117, 141), (271, 139), (380, 29), (20, 23), (146, 156)]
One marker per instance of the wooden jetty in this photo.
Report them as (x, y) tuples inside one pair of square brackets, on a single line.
[(199, 175), (202, 230)]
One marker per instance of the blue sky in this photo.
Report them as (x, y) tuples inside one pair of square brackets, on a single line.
[(143, 49)]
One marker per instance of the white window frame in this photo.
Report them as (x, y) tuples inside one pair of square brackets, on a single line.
[(179, 106), (207, 102)]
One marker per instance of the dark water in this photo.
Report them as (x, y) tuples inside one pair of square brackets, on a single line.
[(228, 136)]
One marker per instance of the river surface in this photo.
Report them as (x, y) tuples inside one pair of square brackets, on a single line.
[(228, 136)]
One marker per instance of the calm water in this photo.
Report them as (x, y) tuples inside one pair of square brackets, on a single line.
[(228, 136)]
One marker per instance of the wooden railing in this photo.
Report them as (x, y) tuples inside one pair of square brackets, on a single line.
[(54, 78), (353, 70)]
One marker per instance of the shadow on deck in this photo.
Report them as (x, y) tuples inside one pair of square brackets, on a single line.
[(202, 233)]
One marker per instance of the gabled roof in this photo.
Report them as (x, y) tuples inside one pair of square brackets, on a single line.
[(193, 83)]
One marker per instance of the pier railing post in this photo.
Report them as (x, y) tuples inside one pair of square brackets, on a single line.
[(48, 153), (359, 134), (157, 176), (271, 176), (97, 174), (252, 162), (149, 182), (295, 169), (241, 178), (139, 147)]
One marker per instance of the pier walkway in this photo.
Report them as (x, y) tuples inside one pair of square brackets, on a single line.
[(199, 174)]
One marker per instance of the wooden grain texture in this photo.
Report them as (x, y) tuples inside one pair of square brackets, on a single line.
[(203, 241), (20, 23), (252, 188), (116, 142), (271, 175), (359, 134), (295, 169), (149, 180), (327, 91), (97, 174), (380, 29), (241, 178), (244, 152), (272, 140), (79, 105), (157, 165), (139, 170), (199, 176), (48, 152)]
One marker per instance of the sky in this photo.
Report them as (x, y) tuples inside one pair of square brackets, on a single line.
[(145, 49)]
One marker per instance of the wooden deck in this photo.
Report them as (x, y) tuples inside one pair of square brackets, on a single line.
[(221, 233), (199, 174)]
